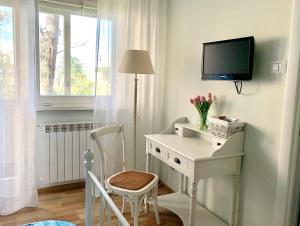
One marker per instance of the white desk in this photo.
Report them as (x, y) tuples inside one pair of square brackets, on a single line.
[(196, 155)]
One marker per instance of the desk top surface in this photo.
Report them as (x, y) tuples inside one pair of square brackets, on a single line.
[(192, 148)]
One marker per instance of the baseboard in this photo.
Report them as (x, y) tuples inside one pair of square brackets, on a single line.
[(62, 187)]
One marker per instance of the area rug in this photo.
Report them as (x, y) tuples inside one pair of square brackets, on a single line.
[(49, 223)]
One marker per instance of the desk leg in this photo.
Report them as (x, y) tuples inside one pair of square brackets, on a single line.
[(148, 159), (193, 204), (148, 162), (235, 201), (181, 184), (185, 184)]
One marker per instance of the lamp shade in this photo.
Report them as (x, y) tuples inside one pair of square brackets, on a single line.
[(136, 62)]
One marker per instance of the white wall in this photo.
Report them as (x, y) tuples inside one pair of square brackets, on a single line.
[(192, 22)]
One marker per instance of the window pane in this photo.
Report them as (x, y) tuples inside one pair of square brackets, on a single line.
[(51, 54), (6, 52), (83, 52), (104, 70)]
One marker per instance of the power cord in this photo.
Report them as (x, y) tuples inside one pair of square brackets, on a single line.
[(238, 86)]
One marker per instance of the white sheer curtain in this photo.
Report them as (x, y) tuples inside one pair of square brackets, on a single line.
[(17, 106), (130, 24)]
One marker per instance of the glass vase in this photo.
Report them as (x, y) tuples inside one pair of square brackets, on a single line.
[(203, 121)]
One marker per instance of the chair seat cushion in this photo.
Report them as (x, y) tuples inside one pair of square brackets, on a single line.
[(131, 180)]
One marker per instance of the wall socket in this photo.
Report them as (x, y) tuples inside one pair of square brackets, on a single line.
[(279, 67)]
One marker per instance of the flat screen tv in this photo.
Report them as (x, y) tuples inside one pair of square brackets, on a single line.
[(228, 59)]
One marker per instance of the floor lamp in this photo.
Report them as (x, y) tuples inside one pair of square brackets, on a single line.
[(136, 62)]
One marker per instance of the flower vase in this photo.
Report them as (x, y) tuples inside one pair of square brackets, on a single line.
[(203, 121), (202, 105)]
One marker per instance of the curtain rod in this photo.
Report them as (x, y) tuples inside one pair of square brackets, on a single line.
[(82, 6)]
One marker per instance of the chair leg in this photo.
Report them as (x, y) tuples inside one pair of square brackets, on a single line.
[(123, 205), (146, 203), (156, 205), (131, 209), (136, 207)]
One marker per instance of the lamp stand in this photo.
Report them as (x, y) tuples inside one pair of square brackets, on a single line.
[(134, 120)]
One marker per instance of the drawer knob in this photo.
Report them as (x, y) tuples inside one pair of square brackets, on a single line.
[(218, 144), (177, 160), (157, 150)]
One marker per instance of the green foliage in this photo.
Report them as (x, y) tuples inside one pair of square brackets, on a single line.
[(7, 79), (104, 70), (80, 83), (103, 81), (7, 71)]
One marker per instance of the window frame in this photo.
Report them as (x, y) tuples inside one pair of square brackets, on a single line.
[(66, 101)]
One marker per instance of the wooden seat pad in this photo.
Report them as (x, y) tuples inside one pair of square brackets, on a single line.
[(131, 180)]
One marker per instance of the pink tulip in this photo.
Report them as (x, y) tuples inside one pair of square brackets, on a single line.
[(192, 101), (209, 96), (203, 98), (196, 100)]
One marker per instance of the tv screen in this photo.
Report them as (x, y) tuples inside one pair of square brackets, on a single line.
[(228, 60)]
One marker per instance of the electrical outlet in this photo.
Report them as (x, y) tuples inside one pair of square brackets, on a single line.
[(278, 67)]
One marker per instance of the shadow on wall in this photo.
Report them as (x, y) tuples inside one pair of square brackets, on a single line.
[(257, 161), (264, 54), (220, 105)]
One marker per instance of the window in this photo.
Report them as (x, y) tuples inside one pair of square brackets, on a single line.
[(67, 62), (7, 79), (68, 57)]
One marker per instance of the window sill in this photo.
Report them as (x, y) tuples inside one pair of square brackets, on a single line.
[(65, 107), (68, 103)]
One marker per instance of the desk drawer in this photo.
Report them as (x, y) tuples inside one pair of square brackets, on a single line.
[(178, 161), (157, 150)]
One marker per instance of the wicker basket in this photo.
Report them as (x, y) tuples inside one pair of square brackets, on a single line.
[(225, 129)]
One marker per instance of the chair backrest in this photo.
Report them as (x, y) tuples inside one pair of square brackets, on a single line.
[(96, 135)]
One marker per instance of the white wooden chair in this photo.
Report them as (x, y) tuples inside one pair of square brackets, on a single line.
[(92, 185), (132, 185)]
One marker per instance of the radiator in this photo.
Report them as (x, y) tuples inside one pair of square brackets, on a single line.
[(62, 146)]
